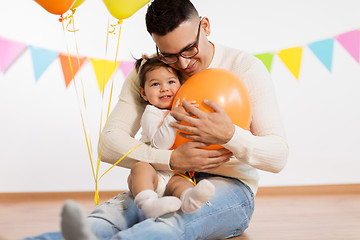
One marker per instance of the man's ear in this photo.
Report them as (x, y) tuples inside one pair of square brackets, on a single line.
[(205, 24), (142, 93)]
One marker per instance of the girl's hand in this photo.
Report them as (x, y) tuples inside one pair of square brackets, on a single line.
[(180, 109)]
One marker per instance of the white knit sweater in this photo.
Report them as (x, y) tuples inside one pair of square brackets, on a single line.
[(156, 130), (264, 147)]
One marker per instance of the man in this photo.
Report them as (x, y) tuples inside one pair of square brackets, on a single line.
[(181, 42)]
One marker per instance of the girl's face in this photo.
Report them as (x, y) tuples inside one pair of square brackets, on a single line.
[(160, 87)]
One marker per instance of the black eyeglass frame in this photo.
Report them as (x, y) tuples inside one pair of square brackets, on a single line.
[(194, 45)]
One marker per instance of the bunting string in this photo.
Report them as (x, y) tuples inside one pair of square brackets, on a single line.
[(291, 57)]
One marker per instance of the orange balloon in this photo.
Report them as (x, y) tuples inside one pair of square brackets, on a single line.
[(221, 86), (57, 7)]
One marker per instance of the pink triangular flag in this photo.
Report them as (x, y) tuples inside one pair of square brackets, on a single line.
[(126, 67), (351, 42), (9, 51)]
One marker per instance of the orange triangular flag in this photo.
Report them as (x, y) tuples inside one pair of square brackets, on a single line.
[(292, 59), (104, 69), (70, 71)]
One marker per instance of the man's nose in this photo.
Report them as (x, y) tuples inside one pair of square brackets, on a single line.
[(183, 63)]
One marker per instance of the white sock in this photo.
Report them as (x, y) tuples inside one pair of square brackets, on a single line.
[(193, 198), (74, 225), (153, 206)]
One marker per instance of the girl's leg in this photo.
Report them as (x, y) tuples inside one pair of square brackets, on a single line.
[(143, 181), (142, 177), (192, 197)]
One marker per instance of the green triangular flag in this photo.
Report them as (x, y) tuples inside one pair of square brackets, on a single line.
[(266, 58)]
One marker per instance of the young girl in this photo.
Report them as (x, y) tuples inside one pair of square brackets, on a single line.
[(159, 192)]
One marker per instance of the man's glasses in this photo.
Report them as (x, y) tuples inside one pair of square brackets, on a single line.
[(188, 52)]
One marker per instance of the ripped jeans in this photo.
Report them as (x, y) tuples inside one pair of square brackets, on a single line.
[(226, 215)]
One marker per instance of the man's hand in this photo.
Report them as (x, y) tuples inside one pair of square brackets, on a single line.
[(192, 157), (208, 128)]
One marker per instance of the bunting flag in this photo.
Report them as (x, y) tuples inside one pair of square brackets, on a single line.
[(266, 58), (323, 50), (70, 71), (104, 69), (291, 57), (351, 42), (10, 51), (126, 67), (41, 58)]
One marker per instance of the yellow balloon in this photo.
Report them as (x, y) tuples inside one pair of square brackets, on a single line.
[(122, 9), (77, 3)]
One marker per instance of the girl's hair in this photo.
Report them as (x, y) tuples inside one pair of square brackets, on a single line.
[(145, 64)]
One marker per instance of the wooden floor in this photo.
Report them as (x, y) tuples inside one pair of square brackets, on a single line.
[(303, 213)]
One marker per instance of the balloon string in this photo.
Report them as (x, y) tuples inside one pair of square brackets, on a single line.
[(119, 23), (112, 81), (109, 104), (88, 143), (96, 188), (191, 177), (70, 18), (115, 65), (78, 60), (81, 80), (101, 118), (103, 83)]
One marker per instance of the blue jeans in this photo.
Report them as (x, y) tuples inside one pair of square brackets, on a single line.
[(226, 215)]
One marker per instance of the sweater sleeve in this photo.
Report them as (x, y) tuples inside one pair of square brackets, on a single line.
[(263, 147), (117, 137), (164, 137), (155, 126)]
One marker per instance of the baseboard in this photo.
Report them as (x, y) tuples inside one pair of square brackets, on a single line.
[(310, 190), (262, 191), (54, 196)]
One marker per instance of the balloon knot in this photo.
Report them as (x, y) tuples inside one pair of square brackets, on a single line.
[(70, 20), (114, 26), (61, 19)]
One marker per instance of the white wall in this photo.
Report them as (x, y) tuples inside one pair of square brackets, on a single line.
[(42, 146)]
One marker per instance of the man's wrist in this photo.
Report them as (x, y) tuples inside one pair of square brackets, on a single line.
[(171, 166), (230, 134)]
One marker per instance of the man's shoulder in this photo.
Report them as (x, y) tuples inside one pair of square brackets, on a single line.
[(229, 57), (235, 53)]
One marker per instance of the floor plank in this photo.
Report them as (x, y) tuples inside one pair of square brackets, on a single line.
[(296, 215)]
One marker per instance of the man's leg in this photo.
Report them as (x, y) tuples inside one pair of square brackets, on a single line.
[(106, 220), (47, 236), (226, 215), (114, 215)]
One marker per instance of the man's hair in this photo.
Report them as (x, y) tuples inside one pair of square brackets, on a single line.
[(163, 16)]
